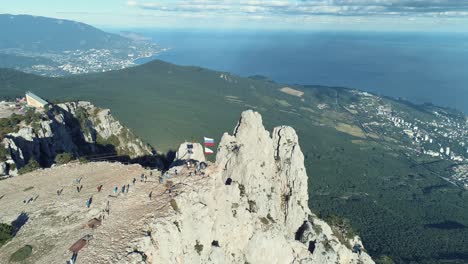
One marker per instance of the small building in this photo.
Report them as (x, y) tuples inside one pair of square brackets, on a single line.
[(35, 101)]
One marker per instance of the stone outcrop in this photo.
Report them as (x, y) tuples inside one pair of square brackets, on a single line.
[(78, 128), (189, 151), (252, 208)]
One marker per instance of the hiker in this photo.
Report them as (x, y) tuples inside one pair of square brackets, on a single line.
[(99, 188), (146, 178), (58, 192), (151, 173), (81, 187), (150, 194), (73, 258), (116, 189), (128, 187), (123, 189), (142, 177), (108, 208), (161, 179), (77, 189), (134, 180), (89, 201), (175, 171)]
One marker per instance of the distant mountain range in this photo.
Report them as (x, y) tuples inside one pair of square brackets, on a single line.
[(56, 47), (42, 34)]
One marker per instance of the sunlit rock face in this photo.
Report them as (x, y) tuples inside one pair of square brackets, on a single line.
[(251, 208), (77, 128)]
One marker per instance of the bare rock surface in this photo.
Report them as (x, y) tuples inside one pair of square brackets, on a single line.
[(250, 206)]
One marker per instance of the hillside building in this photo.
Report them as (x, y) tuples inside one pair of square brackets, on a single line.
[(35, 101)]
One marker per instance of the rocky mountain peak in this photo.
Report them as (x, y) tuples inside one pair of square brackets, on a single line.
[(252, 207), (249, 206)]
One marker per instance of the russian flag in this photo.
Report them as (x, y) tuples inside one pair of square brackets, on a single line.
[(208, 151), (209, 142)]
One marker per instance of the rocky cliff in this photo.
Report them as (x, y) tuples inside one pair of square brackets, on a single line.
[(249, 206), (252, 207), (77, 128)]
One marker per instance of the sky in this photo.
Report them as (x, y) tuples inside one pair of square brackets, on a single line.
[(369, 15)]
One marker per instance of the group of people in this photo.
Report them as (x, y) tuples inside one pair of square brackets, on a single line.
[(124, 189), (198, 169)]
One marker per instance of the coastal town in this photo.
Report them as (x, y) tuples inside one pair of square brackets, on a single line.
[(84, 60), (438, 134)]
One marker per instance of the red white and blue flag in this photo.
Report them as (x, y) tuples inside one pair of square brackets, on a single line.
[(209, 142), (208, 151)]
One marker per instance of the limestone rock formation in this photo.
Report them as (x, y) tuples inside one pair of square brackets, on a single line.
[(252, 208), (190, 151), (78, 128)]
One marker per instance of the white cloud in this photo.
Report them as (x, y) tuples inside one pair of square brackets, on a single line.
[(312, 7)]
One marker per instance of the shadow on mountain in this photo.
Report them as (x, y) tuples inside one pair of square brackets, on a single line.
[(19, 222), (155, 161)]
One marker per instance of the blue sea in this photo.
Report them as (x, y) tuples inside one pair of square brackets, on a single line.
[(420, 67)]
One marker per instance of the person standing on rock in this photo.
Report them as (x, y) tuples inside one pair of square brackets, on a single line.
[(108, 208), (123, 189), (73, 258), (116, 189), (88, 202), (77, 188), (128, 187), (150, 194), (134, 180)]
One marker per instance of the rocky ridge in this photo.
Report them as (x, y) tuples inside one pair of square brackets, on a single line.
[(77, 128), (249, 206), (252, 208)]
